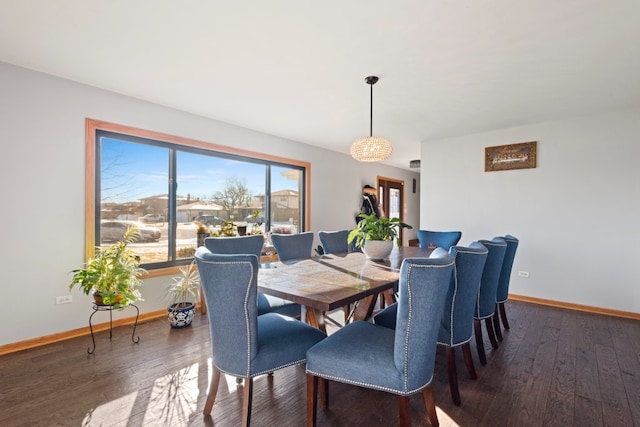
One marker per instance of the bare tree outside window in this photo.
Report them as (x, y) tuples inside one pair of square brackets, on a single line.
[(235, 195)]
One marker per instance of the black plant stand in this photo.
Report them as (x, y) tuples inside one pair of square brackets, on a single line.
[(109, 308)]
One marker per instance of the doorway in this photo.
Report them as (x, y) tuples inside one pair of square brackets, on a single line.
[(391, 196)]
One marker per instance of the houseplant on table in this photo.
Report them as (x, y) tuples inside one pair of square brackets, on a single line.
[(113, 274), (182, 295), (375, 235)]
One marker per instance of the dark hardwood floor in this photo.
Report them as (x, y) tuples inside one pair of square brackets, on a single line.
[(555, 367)]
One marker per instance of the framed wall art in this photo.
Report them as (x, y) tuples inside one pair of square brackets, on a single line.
[(512, 156)]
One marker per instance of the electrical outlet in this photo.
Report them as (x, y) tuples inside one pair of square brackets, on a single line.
[(65, 299), (523, 273)]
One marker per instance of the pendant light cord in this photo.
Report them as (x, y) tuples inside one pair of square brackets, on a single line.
[(371, 112), (371, 80)]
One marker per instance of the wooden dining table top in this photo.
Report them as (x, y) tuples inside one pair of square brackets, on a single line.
[(328, 282)]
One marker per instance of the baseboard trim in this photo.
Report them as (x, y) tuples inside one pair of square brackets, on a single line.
[(578, 307), (74, 333), (50, 339)]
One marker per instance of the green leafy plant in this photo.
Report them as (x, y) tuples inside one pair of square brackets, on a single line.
[(113, 273), (186, 287), (227, 229), (372, 227)]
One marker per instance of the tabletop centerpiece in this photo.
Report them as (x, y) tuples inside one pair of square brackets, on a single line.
[(375, 235)]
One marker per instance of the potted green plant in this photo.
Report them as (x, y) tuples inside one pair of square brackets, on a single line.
[(113, 274), (227, 229), (182, 296), (375, 235)]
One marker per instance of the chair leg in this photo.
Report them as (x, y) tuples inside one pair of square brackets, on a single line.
[(468, 360), (312, 400), (477, 329), (492, 334), (496, 324), (503, 315), (213, 390), (403, 411), (427, 394), (247, 397), (389, 297), (453, 375), (324, 393), (203, 302)]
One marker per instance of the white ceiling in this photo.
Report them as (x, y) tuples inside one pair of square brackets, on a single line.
[(296, 68)]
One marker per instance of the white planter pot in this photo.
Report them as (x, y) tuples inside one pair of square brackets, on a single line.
[(377, 249)]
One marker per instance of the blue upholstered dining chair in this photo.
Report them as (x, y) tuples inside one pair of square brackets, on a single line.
[(387, 317), (486, 303), (293, 246), (502, 295), (398, 361), (440, 239), (244, 344), (236, 245), (335, 242), (252, 245), (456, 325)]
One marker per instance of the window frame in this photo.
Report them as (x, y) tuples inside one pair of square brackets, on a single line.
[(92, 126)]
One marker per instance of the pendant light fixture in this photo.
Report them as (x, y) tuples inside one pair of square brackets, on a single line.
[(371, 148)]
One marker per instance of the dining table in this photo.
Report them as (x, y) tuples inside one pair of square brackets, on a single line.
[(328, 282)]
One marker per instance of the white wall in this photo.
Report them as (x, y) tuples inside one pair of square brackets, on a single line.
[(577, 214), (42, 130)]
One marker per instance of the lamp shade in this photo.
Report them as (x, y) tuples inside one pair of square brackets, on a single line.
[(371, 149)]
